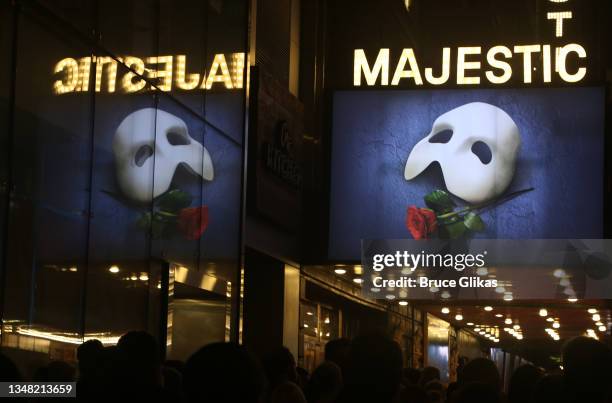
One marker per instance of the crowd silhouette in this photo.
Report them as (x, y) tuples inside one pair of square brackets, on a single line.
[(365, 369)]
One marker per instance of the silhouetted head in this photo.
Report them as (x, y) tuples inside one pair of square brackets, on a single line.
[(523, 382), (476, 392), (89, 355), (451, 390), (223, 373), (587, 369), (411, 376), (413, 393), (139, 359), (429, 374), (373, 370), (435, 391), (302, 377), (337, 350), (280, 366), (325, 383), (8, 370), (480, 370), (549, 389)]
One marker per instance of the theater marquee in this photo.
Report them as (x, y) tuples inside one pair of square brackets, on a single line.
[(541, 63)]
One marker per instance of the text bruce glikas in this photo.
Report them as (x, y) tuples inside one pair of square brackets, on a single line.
[(406, 260)]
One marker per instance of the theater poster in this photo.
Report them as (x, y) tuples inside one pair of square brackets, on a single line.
[(480, 163)]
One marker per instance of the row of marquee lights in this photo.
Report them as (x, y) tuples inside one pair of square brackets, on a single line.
[(491, 331), (497, 57), (166, 72), (514, 329)]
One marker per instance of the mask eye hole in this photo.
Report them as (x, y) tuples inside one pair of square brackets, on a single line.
[(482, 151), (442, 137), (177, 138), (143, 154)]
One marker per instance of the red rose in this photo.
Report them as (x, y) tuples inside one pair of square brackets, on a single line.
[(192, 222), (421, 222)]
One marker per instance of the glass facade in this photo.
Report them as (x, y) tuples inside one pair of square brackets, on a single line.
[(122, 154)]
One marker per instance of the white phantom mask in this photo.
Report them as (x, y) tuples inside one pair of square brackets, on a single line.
[(149, 145), (476, 146)]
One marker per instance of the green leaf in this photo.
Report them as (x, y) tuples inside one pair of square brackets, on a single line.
[(174, 200), (440, 202), (473, 222), (452, 231)]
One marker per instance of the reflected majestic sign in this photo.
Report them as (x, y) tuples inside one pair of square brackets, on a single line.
[(166, 72)]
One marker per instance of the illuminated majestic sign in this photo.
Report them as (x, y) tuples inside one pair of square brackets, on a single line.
[(470, 61), (165, 72), (468, 64)]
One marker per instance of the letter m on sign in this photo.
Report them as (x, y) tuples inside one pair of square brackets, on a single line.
[(380, 68)]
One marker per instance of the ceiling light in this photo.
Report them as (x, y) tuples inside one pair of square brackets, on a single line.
[(592, 310), (556, 325), (470, 324), (602, 328), (508, 321), (114, 269), (357, 280), (488, 308), (559, 273), (572, 299), (340, 271), (498, 315), (516, 327), (445, 310), (403, 303), (543, 312), (550, 320), (596, 317), (458, 317)]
